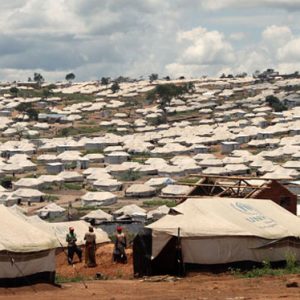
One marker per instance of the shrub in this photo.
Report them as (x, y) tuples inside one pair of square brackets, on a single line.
[(72, 186), (275, 103), (51, 198), (267, 270), (291, 261), (6, 182), (130, 175)]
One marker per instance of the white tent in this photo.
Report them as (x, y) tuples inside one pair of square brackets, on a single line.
[(32, 195), (51, 210), (222, 230), (98, 199), (97, 215), (25, 247), (130, 211), (158, 212)]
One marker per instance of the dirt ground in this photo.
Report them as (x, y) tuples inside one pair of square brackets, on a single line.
[(200, 286), (119, 284), (105, 265)]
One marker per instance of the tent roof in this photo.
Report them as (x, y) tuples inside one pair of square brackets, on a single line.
[(17, 235), (216, 216), (130, 210), (98, 214), (52, 207)]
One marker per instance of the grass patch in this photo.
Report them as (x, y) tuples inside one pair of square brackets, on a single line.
[(49, 187), (291, 267), (61, 279), (75, 97), (189, 180), (130, 176), (87, 208), (88, 123), (51, 198), (72, 186), (72, 131), (159, 202), (93, 151), (140, 157)]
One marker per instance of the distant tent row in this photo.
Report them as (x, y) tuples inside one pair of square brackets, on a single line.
[(217, 231)]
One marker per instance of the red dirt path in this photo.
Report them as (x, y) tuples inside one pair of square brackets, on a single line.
[(201, 286)]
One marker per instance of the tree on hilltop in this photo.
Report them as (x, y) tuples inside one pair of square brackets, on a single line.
[(115, 87), (38, 78), (70, 77), (153, 77), (164, 93)]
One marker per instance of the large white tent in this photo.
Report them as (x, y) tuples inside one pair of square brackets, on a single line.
[(224, 230), (24, 247)]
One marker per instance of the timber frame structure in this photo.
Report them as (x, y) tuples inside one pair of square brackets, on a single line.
[(227, 186), (239, 187)]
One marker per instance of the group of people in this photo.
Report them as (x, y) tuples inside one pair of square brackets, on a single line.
[(119, 253)]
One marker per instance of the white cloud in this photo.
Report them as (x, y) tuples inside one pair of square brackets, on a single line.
[(290, 53), (288, 67), (277, 35), (237, 36), (203, 48), (253, 59), (219, 4)]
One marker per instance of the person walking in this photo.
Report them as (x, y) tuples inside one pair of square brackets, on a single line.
[(71, 238), (90, 248), (119, 253)]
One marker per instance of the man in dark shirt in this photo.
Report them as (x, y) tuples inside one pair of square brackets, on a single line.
[(71, 238)]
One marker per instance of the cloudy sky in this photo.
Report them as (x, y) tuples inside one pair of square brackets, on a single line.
[(95, 38)]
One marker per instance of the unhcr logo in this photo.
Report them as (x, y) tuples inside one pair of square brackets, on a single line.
[(254, 215), (245, 208)]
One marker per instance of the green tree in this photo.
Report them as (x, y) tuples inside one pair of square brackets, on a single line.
[(189, 87), (275, 103), (47, 92), (38, 78), (256, 74), (23, 106), (153, 77), (32, 114), (115, 87), (70, 77), (105, 81), (14, 91), (29, 110), (164, 94), (121, 79)]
